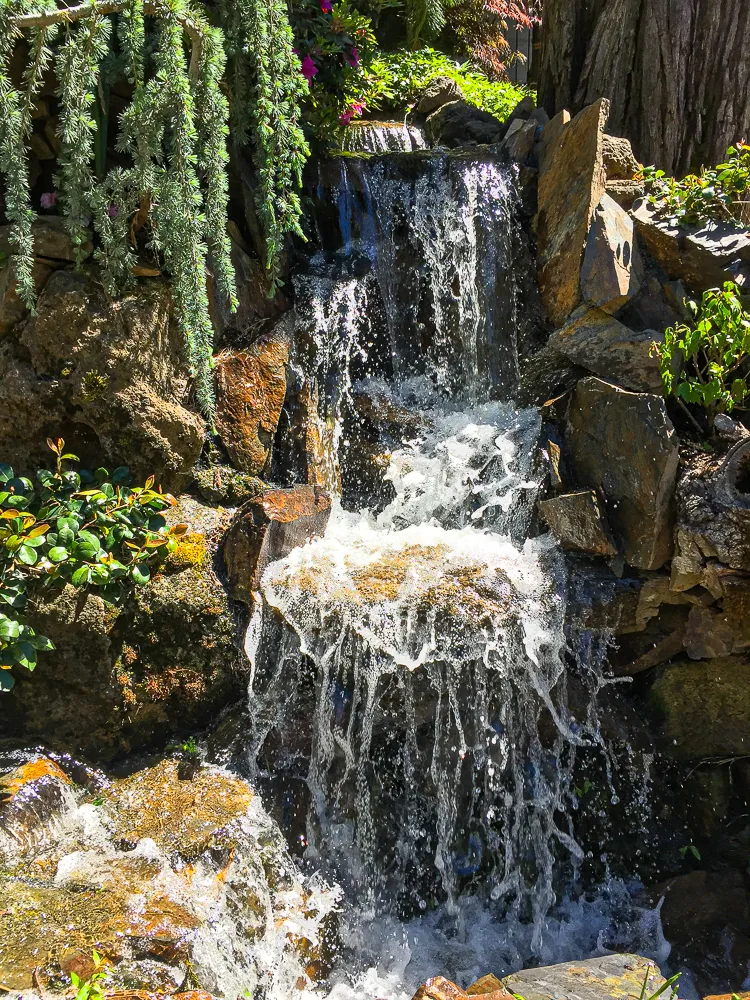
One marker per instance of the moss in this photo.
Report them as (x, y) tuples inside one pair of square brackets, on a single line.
[(221, 484), (191, 551)]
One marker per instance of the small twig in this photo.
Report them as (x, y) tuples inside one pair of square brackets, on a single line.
[(690, 416)]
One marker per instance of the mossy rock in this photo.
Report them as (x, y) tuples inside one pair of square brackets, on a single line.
[(130, 676)]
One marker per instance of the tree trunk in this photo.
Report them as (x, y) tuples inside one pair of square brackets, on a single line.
[(677, 72)]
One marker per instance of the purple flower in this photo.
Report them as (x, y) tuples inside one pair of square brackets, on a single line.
[(346, 117), (309, 69), (113, 211), (353, 57), (48, 199), (326, 6)]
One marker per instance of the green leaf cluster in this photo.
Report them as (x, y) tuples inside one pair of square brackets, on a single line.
[(719, 193), (79, 528), (707, 360)]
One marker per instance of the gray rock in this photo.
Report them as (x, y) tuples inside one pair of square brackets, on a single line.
[(626, 193), (571, 184), (619, 161), (596, 341), (519, 140), (620, 976), (439, 91), (460, 123), (577, 522), (623, 445), (612, 271), (703, 257)]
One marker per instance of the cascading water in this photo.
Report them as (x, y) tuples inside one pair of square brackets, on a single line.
[(409, 689)]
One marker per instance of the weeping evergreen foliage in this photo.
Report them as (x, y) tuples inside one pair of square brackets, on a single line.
[(267, 93), (174, 131), (425, 19)]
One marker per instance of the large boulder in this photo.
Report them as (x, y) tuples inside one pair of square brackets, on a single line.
[(572, 181), (129, 676), (623, 445), (612, 271), (109, 377), (604, 978), (268, 528), (439, 91), (462, 124), (250, 390), (596, 341), (702, 256)]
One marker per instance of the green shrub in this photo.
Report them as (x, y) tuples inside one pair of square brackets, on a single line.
[(88, 530), (706, 361), (720, 193)]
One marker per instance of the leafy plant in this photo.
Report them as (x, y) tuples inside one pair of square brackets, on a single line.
[(88, 530), (706, 361), (692, 850), (719, 193), (93, 987)]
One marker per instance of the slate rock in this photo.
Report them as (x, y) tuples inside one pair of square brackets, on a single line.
[(439, 91), (611, 977), (596, 341), (519, 140), (703, 257), (623, 445), (268, 528), (612, 271), (577, 522), (572, 181)]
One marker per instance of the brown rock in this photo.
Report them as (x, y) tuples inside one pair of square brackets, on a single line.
[(728, 996), (487, 984), (612, 272), (596, 341), (551, 136), (30, 796), (626, 193), (250, 391), (576, 520), (623, 445), (702, 257), (254, 304), (12, 309), (440, 988), (619, 161), (571, 185), (269, 528)]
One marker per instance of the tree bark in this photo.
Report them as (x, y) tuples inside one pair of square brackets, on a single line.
[(677, 72)]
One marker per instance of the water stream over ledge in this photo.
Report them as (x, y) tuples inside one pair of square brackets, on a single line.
[(409, 697)]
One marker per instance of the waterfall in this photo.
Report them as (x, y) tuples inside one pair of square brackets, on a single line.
[(409, 699)]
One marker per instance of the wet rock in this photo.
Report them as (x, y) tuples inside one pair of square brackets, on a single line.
[(611, 976), (577, 521), (126, 677), (439, 91), (173, 879), (612, 272), (705, 707), (460, 124), (571, 184), (51, 240), (623, 445), (619, 161), (702, 257), (250, 391), (440, 988), (595, 341), (30, 797), (706, 919), (269, 528), (108, 377)]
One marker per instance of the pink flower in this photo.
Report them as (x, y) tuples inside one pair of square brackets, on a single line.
[(113, 211), (357, 107), (48, 199), (309, 69), (326, 6), (353, 57), (346, 117)]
